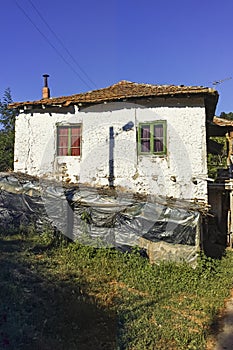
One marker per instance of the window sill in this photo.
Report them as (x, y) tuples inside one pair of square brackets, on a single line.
[(59, 157), (152, 155)]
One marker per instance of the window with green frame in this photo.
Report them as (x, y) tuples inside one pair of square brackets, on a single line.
[(69, 140), (152, 137)]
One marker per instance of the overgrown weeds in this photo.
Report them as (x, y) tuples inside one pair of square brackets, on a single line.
[(66, 295)]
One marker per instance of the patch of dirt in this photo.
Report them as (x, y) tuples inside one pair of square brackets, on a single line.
[(121, 285), (217, 325)]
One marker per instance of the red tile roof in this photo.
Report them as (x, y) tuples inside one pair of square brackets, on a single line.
[(121, 90)]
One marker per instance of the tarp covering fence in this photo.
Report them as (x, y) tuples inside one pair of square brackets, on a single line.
[(166, 228)]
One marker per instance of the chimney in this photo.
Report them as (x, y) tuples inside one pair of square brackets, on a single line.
[(45, 90)]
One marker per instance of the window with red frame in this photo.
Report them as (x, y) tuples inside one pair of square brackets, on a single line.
[(69, 140)]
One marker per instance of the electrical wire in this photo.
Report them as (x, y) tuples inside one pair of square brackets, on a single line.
[(61, 43), (53, 47)]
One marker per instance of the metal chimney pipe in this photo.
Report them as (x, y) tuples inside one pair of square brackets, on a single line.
[(45, 90)]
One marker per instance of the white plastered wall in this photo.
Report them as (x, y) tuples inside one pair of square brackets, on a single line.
[(181, 173)]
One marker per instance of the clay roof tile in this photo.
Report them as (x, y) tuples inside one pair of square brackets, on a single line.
[(121, 90)]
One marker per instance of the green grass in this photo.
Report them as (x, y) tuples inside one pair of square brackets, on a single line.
[(55, 294)]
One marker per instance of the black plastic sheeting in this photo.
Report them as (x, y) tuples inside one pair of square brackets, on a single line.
[(20, 211), (101, 217)]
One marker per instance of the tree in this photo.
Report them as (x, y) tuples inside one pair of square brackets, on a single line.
[(228, 116), (217, 159), (7, 132)]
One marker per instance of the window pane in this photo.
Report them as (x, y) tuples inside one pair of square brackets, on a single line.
[(75, 141), (75, 145), (145, 145), (158, 138), (158, 130), (63, 151), (76, 131), (63, 131), (145, 138), (75, 151), (63, 141), (145, 131), (158, 145)]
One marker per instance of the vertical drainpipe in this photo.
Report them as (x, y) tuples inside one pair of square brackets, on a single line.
[(111, 157)]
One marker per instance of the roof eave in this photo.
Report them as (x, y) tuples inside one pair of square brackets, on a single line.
[(211, 99)]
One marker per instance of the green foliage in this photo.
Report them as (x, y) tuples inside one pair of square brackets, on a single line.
[(227, 115), (7, 132), (207, 265), (216, 161)]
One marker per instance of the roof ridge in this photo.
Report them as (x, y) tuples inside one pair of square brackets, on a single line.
[(120, 90)]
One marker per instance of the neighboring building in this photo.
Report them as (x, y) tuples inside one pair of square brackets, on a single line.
[(220, 191), (146, 138)]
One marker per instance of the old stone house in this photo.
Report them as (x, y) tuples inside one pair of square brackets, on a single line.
[(142, 137), (147, 139)]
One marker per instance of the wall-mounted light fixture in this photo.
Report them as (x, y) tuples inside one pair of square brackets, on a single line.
[(128, 126)]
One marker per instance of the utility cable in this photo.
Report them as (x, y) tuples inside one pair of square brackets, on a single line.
[(62, 43), (53, 47)]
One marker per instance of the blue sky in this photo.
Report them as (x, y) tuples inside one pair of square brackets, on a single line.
[(186, 42)]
